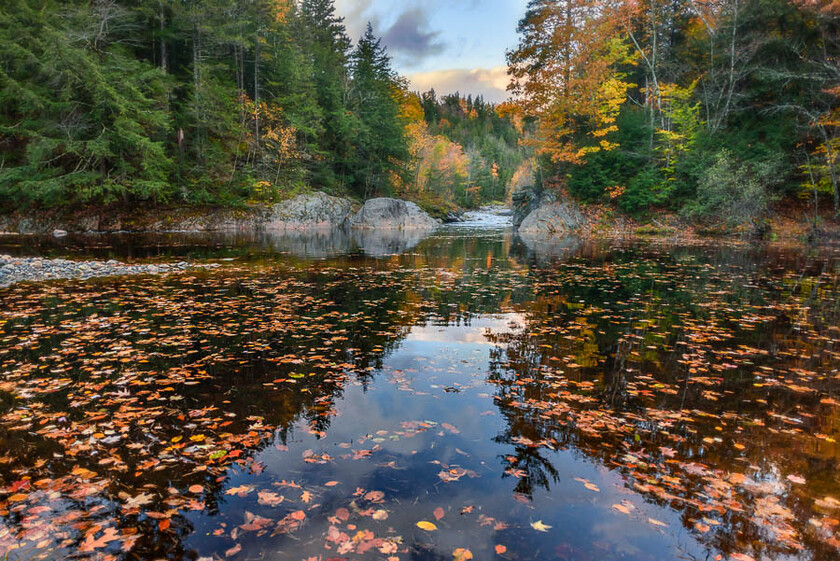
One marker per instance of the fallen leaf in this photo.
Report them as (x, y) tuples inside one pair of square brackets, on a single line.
[(540, 527), (439, 513), (462, 554), (621, 508), (428, 526)]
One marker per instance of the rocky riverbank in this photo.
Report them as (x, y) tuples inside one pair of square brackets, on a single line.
[(308, 212), (32, 269)]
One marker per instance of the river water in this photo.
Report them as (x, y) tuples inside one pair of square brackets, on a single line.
[(467, 395)]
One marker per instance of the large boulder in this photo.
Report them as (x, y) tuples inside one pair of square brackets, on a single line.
[(528, 199), (558, 218), (392, 214), (316, 211)]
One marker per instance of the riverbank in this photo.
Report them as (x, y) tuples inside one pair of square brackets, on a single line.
[(33, 269), (318, 212)]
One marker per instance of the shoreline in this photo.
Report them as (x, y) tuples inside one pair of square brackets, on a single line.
[(15, 270)]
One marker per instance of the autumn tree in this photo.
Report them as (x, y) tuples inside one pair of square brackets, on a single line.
[(567, 72)]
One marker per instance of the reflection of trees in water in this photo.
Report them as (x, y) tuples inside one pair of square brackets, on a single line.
[(340, 318), (320, 327), (642, 361)]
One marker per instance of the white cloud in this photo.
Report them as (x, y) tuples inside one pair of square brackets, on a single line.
[(489, 82)]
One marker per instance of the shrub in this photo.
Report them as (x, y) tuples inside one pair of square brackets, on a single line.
[(734, 195)]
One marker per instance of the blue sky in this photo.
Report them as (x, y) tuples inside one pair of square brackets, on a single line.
[(446, 44)]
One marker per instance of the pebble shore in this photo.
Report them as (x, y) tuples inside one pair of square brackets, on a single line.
[(21, 269)]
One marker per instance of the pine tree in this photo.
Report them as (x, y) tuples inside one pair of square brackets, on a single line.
[(80, 118), (325, 40), (381, 145)]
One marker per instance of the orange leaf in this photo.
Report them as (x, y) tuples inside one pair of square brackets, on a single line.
[(462, 554), (500, 549), (439, 513)]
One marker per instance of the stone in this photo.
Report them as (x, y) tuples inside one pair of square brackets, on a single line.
[(558, 218), (528, 199), (392, 214), (316, 211), (59, 233)]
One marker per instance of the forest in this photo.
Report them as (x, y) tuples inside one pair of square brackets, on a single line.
[(718, 107), (702, 108), (224, 102)]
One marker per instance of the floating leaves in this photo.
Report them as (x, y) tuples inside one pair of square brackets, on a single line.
[(462, 554), (539, 526), (673, 371)]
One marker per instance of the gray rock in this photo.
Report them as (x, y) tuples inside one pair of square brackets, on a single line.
[(559, 218), (316, 211), (527, 200), (392, 214)]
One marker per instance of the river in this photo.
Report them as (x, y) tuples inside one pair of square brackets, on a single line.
[(467, 395)]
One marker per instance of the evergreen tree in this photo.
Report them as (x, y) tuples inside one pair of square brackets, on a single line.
[(380, 145), (73, 127), (324, 39)]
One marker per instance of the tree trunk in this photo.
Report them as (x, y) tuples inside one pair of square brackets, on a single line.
[(163, 54), (197, 95), (257, 90)]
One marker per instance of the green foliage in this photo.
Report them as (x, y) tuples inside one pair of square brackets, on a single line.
[(74, 130), (734, 194), (755, 79), (380, 146), (196, 101)]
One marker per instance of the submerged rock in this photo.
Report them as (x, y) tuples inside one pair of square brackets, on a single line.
[(554, 218), (316, 211), (392, 214)]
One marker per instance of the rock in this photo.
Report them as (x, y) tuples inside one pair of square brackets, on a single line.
[(59, 233), (528, 199), (552, 219), (392, 214), (453, 217), (316, 211)]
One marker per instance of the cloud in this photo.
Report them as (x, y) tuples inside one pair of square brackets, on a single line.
[(356, 15), (410, 38), (489, 82)]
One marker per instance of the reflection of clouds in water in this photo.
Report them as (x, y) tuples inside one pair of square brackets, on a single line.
[(475, 333)]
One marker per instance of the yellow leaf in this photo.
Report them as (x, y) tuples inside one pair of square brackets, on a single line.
[(428, 526), (540, 527)]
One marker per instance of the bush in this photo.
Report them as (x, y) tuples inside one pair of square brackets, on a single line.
[(734, 195)]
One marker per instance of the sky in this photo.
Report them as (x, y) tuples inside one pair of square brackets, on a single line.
[(448, 45)]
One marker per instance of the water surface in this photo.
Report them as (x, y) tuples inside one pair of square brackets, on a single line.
[(318, 397)]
